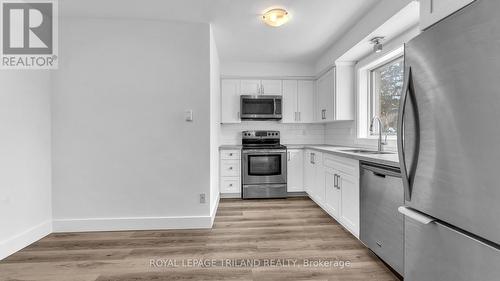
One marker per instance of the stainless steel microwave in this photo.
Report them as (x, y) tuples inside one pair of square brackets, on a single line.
[(260, 107)]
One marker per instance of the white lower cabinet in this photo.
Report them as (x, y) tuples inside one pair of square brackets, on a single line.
[(230, 172), (332, 193), (349, 202), (295, 170), (314, 176), (333, 183)]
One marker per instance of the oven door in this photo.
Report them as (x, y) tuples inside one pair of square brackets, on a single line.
[(264, 166), (260, 107)]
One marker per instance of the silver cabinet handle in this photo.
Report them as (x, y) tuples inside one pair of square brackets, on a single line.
[(230, 168), (239, 116), (416, 215), (339, 183), (230, 184), (312, 158), (230, 154), (295, 116), (335, 181), (323, 114), (288, 155), (299, 116)]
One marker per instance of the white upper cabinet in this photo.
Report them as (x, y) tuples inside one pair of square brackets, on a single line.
[(250, 87), (230, 101), (305, 101), (325, 97), (432, 11), (344, 91), (261, 87), (271, 87), (289, 101), (298, 101)]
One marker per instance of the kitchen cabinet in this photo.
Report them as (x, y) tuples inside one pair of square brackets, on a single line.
[(308, 170), (230, 101), (344, 91), (261, 87), (315, 176), (325, 96), (305, 101), (432, 11), (298, 101), (342, 190), (271, 87), (348, 185), (295, 170), (332, 193), (230, 172), (290, 88)]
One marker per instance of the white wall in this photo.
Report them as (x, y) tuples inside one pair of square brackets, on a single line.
[(123, 155), (256, 69), (215, 127), (25, 170), (290, 133)]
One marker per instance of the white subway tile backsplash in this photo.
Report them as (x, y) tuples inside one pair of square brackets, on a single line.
[(340, 133), (290, 133)]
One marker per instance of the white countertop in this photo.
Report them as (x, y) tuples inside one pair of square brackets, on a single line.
[(383, 159)]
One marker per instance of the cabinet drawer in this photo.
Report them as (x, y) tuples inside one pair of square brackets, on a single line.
[(230, 185), (230, 168), (345, 165), (230, 154)]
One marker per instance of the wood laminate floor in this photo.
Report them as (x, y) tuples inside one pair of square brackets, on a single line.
[(285, 239)]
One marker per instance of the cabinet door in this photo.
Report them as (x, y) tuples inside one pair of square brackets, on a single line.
[(271, 87), (290, 114), (349, 202), (308, 172), (326, 96), (344, 91), (332, 194), (432, 11), (319, 178), (250, 87), (295, 168), (305, 101), (230, 101)]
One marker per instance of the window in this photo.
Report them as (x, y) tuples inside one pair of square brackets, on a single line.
[(386, 83)]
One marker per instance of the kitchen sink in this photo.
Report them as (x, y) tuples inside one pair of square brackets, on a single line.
[(364, 151)]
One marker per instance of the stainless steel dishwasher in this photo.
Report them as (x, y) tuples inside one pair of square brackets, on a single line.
[(381, 225)]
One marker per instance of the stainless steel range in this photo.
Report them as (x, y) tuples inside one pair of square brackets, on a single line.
[(263, 165)]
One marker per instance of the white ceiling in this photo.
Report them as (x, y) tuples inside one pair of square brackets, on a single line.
[(238, 30)]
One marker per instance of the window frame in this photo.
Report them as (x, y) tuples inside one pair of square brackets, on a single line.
[(363, 104), (372, 104)]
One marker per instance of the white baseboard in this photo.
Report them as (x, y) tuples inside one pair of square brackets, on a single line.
[(21, 240), (133, 223)]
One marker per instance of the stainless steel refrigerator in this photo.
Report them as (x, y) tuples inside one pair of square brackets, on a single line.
[(449, 148)]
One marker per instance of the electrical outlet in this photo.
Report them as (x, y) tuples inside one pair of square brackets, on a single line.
[(203, 198)]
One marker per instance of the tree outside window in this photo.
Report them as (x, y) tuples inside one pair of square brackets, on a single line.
[(386, 86)]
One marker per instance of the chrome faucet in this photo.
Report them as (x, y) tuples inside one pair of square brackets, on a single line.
[(380, 129)]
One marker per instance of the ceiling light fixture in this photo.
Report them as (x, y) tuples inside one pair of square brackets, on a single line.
[(377, 44), (276, 17)]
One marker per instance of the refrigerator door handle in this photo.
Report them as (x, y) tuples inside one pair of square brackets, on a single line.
[(416, 215), (405, 173)]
